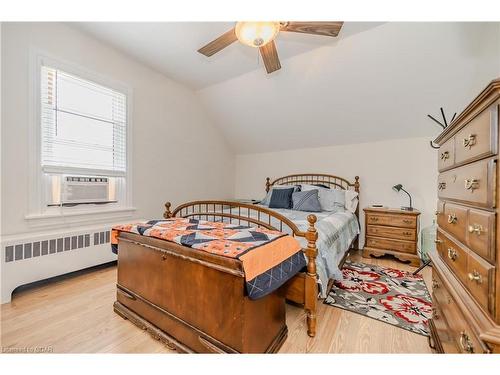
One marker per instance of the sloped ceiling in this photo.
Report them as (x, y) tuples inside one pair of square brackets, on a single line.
[(375, 85), (170, 47), (376, 81)]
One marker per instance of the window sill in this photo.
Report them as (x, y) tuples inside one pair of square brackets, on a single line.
[(80, 216)]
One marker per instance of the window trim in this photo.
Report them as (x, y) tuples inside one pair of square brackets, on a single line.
[(37, 189)]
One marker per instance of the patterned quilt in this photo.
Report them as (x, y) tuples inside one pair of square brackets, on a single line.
[(269, 258)]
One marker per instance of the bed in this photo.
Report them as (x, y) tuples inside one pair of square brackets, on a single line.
[(326, 237)]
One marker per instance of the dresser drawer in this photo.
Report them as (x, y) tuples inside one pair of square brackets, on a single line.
[(441, 297), (446, 155), (394, 245), (478, 139), (459, 331), (402, 221), (471, 184), (480, 282), (472, 227), (453, 219), (454, 256), (391, 232), (481, 234)]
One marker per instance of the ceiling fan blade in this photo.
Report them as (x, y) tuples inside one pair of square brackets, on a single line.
[(316, 28), (218, 44), (270, 57)]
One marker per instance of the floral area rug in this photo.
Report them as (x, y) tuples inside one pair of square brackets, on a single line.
[(386, 294)]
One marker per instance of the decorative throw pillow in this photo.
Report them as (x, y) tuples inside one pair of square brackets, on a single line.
[(306, 201), (267, 198), (281, 198), (330, 199)]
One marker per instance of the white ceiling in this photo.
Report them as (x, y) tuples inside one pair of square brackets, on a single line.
[(375, 85), (375, 81), (170, 47)]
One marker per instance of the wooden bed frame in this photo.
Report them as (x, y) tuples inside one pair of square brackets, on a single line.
[(301, 289)]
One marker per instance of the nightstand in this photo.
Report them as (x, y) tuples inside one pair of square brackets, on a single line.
[(392, 231)]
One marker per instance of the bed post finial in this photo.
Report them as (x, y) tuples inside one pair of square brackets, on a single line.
[(312, 251), (268, 184), (167, 214), (311, 283), (356, 184)]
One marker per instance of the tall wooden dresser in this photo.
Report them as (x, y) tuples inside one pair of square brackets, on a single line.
[(466, 281)]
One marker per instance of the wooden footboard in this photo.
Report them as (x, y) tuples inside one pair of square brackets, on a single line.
[(305, 283)]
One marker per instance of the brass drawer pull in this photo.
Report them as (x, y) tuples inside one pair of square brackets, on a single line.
[(435, 284), (372, 218), (469, 141), (475, 276), (407, 221), (442, 186), (437, 213), (466, 343), (163, 257), (407, 233), (445, 155), (452, 219), (452, 254), (471, 184), (476, 228), (438, 241)]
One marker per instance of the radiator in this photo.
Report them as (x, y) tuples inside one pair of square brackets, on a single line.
[(30, 258)]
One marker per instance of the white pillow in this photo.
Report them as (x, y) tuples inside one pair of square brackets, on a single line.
[(351, 200), (329, 199)]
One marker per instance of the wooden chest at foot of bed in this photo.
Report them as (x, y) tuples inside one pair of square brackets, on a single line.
[(194, 301)]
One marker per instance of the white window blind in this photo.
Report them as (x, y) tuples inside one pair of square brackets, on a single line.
[(83, 125)]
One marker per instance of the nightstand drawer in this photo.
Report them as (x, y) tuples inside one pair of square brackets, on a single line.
[(391, 232), (394, 245), (402, 221)]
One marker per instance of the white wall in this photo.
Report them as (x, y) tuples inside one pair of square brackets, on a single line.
[(375, 85), (178, 155), (380, 165)]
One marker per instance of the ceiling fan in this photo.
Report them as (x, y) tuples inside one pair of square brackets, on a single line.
[(261, 35)]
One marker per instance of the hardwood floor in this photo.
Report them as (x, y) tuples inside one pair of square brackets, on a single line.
[(75, 315)]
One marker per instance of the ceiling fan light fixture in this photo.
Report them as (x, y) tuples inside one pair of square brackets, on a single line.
[(256, 34)]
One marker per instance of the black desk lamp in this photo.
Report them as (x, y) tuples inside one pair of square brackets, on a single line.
[(398, 188)]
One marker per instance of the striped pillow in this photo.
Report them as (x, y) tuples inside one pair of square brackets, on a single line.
[(306, 201)]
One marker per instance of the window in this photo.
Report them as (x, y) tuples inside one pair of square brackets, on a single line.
[(79, 144), (83, 125)]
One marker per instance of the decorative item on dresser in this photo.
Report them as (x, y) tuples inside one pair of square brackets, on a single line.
[(466, 316), (391, 231)]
